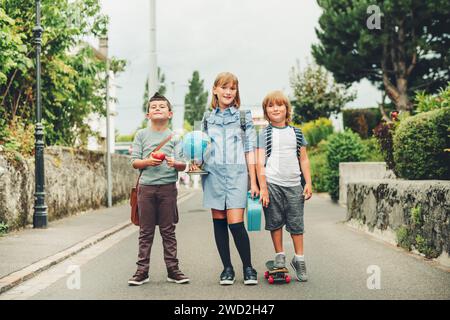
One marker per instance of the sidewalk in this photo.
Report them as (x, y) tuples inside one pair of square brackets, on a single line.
[(27, 252)]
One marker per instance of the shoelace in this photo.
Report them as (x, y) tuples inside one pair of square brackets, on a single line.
[(302, 266)]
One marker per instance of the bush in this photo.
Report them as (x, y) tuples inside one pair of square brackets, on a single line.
[(341, 147), (413, 236), (373, 150), (4, 228), (384, 133), (17, 136), (317, 130), (427, 103), (420, 144), (318, 164), (362, 121)]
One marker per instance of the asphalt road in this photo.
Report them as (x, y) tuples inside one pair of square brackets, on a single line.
[(339, 261)]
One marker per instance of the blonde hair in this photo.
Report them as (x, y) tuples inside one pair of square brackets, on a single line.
[(278, 98), (222, 79)]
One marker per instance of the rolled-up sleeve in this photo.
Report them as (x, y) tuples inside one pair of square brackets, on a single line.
[(250, 132), (137, 148)]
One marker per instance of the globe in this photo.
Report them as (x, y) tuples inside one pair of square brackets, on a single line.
[(195, 145)]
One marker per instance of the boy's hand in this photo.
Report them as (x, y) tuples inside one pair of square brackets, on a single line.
[(152, 162), (264, 197), (307, 192)]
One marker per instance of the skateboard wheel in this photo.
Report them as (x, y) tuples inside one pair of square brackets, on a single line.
[(271, 280), (266, 274), (288, 279)]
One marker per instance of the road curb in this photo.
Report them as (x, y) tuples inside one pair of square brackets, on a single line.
[(13, 279)]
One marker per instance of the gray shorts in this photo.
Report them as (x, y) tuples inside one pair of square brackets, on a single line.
[(285, 208)]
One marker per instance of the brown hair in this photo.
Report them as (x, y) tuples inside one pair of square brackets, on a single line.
[(225, 78), (158, 97), (278, 98)]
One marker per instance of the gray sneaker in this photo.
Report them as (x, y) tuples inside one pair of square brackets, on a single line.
[(300, 270), (279, 261)]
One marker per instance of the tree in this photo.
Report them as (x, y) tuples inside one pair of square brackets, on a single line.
[(316, 94), (410, 50), (195, 100), (73, 81)]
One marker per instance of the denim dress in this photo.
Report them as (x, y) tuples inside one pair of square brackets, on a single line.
[(226, 185)]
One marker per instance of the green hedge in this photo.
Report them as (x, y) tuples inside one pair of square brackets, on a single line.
[(318, 163), (362, 121), (341, 147), (421, 146), (373, 150), (317, 130)]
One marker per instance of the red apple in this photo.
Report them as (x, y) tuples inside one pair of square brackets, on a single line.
[(159, 155)]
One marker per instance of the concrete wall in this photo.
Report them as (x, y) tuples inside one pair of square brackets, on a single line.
[(360, 172), (389, 205), (75, 180)]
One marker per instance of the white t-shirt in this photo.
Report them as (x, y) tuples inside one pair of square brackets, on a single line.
[(282, 166)]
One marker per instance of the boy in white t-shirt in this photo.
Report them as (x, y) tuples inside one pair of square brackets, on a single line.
[(282, 160)]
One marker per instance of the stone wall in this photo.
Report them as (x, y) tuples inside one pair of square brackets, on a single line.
[(360, 172), (416, 212), (75, 180)]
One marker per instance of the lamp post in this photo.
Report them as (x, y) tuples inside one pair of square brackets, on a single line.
[(153, 74), (40, 217), (104, 50)]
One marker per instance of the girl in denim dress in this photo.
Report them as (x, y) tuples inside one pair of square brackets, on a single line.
[(230, 162)]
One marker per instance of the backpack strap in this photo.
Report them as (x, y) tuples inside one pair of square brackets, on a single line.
[(299, 138), (242, 119), (205, 123), (268, 137)]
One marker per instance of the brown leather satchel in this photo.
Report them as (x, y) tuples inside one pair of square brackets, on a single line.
[(134, 190)]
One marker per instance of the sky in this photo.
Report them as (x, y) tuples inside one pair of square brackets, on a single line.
[(257, 40)]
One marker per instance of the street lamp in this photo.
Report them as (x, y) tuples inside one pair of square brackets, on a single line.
[(40, 209)]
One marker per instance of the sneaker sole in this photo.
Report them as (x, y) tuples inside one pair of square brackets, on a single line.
[(226, 282), (177, 281), (138, 283), (250, 282), (298, 278)]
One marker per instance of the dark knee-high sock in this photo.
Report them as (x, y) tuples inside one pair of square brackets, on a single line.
[(242, 242), (222, 240)]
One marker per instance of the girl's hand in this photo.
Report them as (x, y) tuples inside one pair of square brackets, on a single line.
[(194, 167), (152, 162), (254, 190), (264, 197), (307, 192)]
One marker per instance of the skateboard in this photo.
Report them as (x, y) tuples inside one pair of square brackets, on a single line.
[(276, 274)]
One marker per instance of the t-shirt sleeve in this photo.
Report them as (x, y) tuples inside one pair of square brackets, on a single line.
[(137, 148), (304, 142)]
